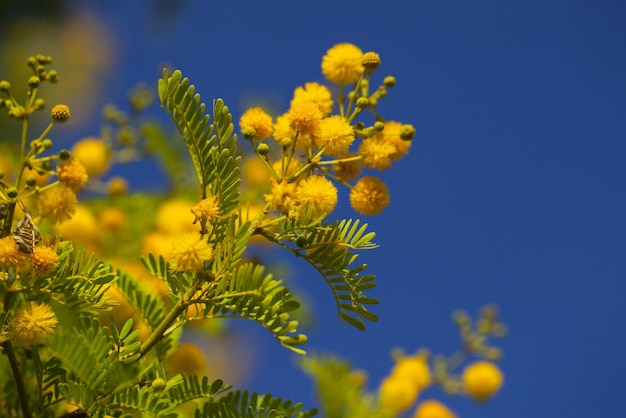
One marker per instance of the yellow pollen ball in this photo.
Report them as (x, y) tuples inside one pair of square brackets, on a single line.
[(93, 154), (317, 192), (336, 135), (60, 113), (397, 394), (10, 256), (482, 380), (415, 369), (391, 134), (72, 173), (316, 93), (342, 63), (256, 118), (369, 196), (82, 227), (32, 325), (174, 216), (283, 133), (282, 195), (189, 252), (377, 153), (57, 203), (44, 259), (433, 409), (305, 117)]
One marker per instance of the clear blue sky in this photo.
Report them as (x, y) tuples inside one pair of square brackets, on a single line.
[(513, 192)]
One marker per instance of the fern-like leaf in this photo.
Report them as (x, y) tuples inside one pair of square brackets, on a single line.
[(245, 405)]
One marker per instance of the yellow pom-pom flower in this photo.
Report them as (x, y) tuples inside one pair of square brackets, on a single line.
[(482, 380), (207, 210), (57, 203), (415, 369), (43, 259), (369, 196), (72, 173), (391, 133), (397, 394), (112, 218), (342, 63), (32, 325), (283, 133), (317, 192), (377, 152), (305, 117), (316, 93), (82, 227), (433, 409), (336, 135), (93, 154), (346, 169), (189, 252), (282, 196), (117, 186), (10, 256), (256, 118), (174, 216)]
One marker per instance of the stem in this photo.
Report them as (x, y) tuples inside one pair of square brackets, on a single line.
[(19, 382), (159, 331)]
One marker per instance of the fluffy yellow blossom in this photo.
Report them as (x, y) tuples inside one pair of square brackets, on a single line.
[(112, 218), (82, 227), (316, 93), (369, 196), (305, 117), (317, 192), (174, 216), (283, 133), (60, 113), (397, 394), (32, 325), (117, 186), (482, 380), (415, 369), (57, 203), (342, 63), (282, 195), (187, 358), (93, 154), (72, 173), (391, 133), (347, 170), (336, 135), (431, 408), (254, 172), (189, 252), (10, 256), (256, 118), (377, 153), (207, 210), (43, 259), (157, 242)]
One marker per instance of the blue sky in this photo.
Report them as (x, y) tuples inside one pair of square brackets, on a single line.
[(513, 192)]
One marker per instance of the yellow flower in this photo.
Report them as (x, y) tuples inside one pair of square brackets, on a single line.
[(207, 210), (282, 195), (391, 133), (377, 153), (415, 369), (44, 259), (174, 216), (347, 170), (82, 227), (482, 380), (370, 61), (397, 394), (187, 358), (342, 63), (57, 203), (10, 256), (112, 218), (318, 193), (256, 118), (32, 325), (72, 173), (254, 172), (316, 93), (433, 409), (283, 133), (117, 186), (157, 242), (189, 252), (93, 154), (336, 135), (60, 113), (369, 196), (305, 117)]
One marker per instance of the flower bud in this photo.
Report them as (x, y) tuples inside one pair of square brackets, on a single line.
[(31, 181), (65, 154), (263, 149), (389, 81), (370, 61), (407, 132), (33, 82), (379, 126), (12, 192), (39, 104), (52, 76), (60, 113), (5, 86), (362, 102)]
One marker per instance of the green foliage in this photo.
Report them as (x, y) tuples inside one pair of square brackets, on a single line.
[(240, 404), (329, 248)]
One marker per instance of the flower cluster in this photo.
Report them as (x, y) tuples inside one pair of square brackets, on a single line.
[(322, 143)]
